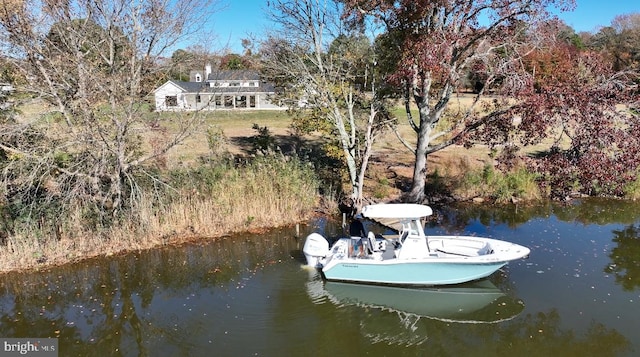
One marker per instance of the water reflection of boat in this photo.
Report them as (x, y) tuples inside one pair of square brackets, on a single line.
[(476, 302)]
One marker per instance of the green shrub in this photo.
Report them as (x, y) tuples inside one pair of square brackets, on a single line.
[(501, 187), (632, 190)]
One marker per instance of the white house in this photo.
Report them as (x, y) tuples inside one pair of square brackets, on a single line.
[(222, 89), (6, 88)]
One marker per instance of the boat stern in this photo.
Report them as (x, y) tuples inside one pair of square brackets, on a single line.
[(316, 249)]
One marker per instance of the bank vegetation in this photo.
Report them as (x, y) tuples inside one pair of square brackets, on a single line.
[(213, 200)]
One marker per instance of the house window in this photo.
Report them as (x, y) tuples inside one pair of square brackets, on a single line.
[(253, 84), (234, 84), (252, 101), (241, 101), (228, 101), (218, 100), (198, 78), (171, 101), (198, 99)]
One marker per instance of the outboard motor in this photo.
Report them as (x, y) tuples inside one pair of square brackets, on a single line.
[(316, 247)]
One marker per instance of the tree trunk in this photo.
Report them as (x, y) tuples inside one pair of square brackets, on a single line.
[(347, 142), (417, 193), (366, 155)]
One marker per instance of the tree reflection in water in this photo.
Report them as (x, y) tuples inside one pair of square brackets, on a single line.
[(625, 258)]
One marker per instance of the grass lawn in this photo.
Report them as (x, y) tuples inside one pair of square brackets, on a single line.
[(236, 126), (390, 169), (391, 165)]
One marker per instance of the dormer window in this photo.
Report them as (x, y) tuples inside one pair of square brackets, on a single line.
[(198, 78)]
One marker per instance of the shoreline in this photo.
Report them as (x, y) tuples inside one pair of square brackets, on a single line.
[(66, 252)]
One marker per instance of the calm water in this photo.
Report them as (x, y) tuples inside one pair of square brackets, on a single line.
[(578, 294)]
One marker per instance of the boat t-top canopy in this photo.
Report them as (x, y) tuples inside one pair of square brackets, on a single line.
[(397, 210)]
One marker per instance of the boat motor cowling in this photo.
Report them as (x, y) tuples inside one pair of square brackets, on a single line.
[(316, 247)]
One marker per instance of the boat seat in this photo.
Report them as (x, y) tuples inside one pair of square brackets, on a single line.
[(465, 251), (376, 245), (377, 248), (372, 241), (404, 236), (457, 251)]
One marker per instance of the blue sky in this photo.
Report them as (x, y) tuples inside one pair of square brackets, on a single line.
[(243, 17), (590, 15)]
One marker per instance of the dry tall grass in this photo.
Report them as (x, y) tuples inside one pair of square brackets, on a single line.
[(268, 193)]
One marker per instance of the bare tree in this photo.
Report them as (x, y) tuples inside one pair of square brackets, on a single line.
[(318, 75), (90, 61), (625, 46)]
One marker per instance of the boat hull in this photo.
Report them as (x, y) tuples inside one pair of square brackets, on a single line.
[(419, 272)]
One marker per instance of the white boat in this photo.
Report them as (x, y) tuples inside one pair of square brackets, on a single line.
[(410, 258)]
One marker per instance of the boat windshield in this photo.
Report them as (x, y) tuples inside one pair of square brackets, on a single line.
[(410, 227)]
